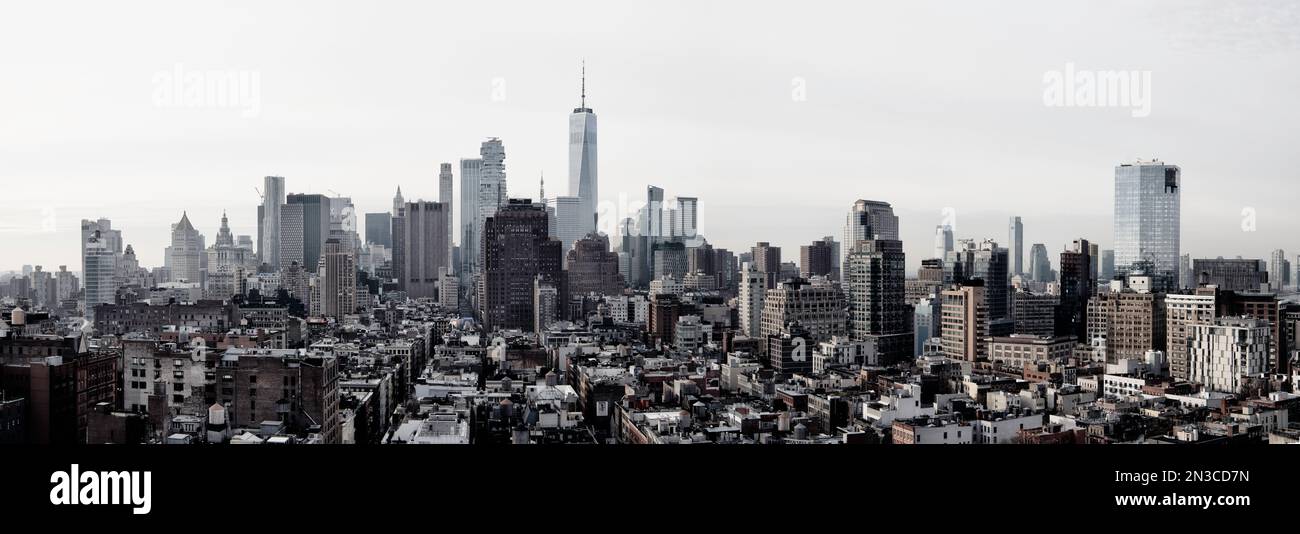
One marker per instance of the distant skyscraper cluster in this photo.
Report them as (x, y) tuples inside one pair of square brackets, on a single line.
[(497, 318)]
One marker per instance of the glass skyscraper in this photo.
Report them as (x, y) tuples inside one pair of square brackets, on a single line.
[(868, 219), (1040, 265), (1016, 237), (582, 163), (942, 241), (1147, 201)]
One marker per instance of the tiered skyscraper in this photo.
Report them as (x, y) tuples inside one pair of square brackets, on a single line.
[(1147, 221)]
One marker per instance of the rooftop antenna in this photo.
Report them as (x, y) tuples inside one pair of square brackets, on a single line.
[(584, 84)]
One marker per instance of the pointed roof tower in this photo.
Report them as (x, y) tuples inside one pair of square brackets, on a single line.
[(185, 222)]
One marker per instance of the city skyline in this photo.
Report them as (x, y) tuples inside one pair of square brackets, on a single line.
[(692, 134)]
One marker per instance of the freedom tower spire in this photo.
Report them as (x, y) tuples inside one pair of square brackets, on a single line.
[(582, 160)]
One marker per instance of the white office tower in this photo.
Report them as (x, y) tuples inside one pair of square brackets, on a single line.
[(568, 222), (868, 219), (942, 241), (651, 216), (107, 235), (99, 264), (1222, 355), (268, 228), (1278, 274), (1147, 221), (185, 256), (1016, 238), (445, 197), (582, 162), (398, 202), (684, 219), (750, 299)]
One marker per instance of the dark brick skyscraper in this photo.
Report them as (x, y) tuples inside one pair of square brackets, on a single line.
[(1077, 285), (816, 259), (516, 250), (874, 279), (593, 268)]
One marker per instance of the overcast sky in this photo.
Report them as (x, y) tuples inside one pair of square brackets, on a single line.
[(776, 115)]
